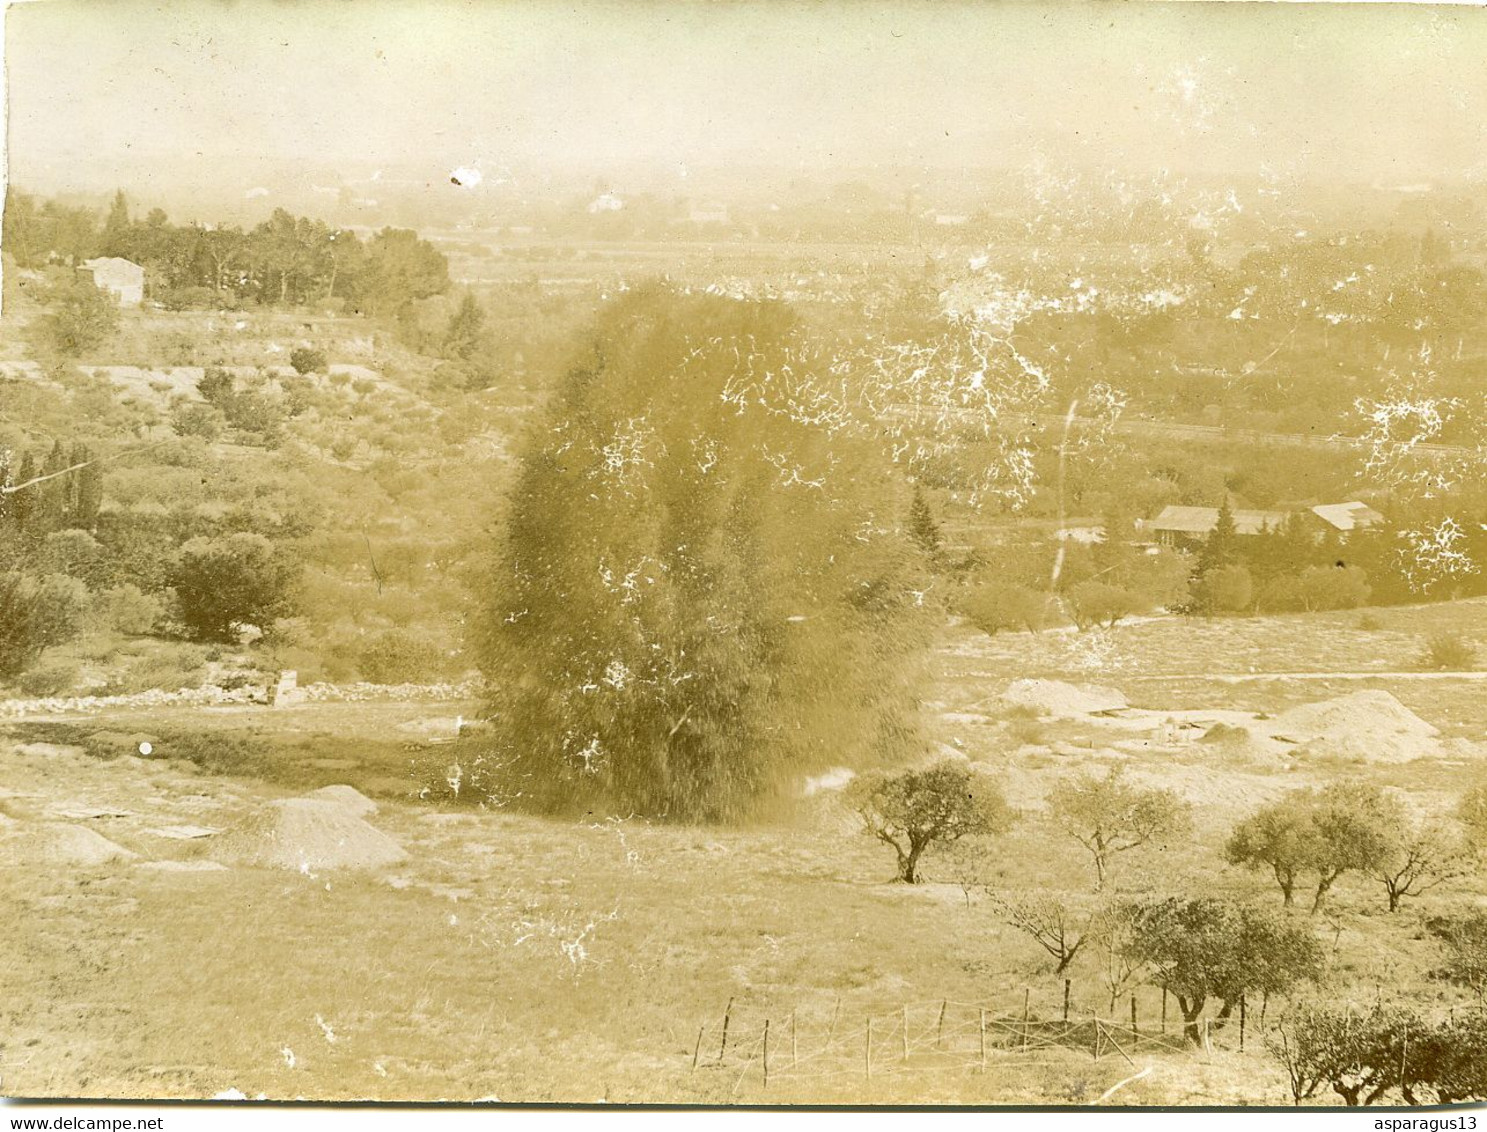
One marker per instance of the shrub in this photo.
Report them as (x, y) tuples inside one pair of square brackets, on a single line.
[(1464, 940), (399, 657), (195, 418), (305, 360), (1099, 603), (993, 606), (128, 609), (1228, 589), (37, 611), (1333, 587), (50, 678), (1447, 651)]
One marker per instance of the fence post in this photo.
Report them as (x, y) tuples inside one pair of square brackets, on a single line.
[(723, 1045), (1241, 1023), (905, 1032), (940, 1030), (697, 1049), (1208, 1037), (867, 1050), (1095, 1023), (1027, 995), (1135, 1031), (766, 1053), (983, 1039), (1067, 984)]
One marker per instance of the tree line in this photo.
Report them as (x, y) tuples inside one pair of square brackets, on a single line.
[(286, 260)]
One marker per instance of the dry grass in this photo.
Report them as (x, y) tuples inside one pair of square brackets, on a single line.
[(533, 960)]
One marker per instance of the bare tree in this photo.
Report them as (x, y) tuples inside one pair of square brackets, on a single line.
[(1421, 859), (1109, 816), (1053, 925)]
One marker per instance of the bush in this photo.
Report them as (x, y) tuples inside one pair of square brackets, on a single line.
[(1333, 587), (1447, 651), (50, 678), (37, 611), (1228, 589), (195, 418), (128, 609), (993, 606), (1098, 603), (305, 360), (397, 657)]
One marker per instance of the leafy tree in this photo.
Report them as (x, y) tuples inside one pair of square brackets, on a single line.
[(1208, 949), (1361, 1057), (398, 269), (697, 595), (224, 583), (78, 317), (992, 606), (1342, 827), (1098, 603), (1110, 815), (916, 809)]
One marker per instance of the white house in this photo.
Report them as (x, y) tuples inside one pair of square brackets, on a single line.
[(119, 277)]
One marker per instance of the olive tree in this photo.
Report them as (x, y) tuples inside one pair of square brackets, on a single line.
[(1342, 827), (1108, 816), (1208, 949), (916, 809)]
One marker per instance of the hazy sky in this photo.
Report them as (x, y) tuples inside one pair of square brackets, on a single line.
[(1371, 92)]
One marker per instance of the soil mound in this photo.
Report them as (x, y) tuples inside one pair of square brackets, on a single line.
[(1054, 697), (1370, 725), (348, 797), (311, 834), (58, 844)]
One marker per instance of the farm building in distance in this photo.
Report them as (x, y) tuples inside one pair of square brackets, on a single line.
[(1177, 525), (1185, 526), (119, 277), (1347, 516)]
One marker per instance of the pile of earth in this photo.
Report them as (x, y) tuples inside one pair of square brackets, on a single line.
[(55, 844), (1233, 740), (1056, 698), (1370, 726), (326, 830)]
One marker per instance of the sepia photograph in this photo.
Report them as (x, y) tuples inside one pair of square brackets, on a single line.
[(744, 553)]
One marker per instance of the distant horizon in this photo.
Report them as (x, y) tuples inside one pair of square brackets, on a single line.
[(1366, 94)]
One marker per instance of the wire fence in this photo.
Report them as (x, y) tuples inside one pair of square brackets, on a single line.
[(872, 1040)]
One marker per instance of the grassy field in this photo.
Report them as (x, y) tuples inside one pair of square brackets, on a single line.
[(536, 960)]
